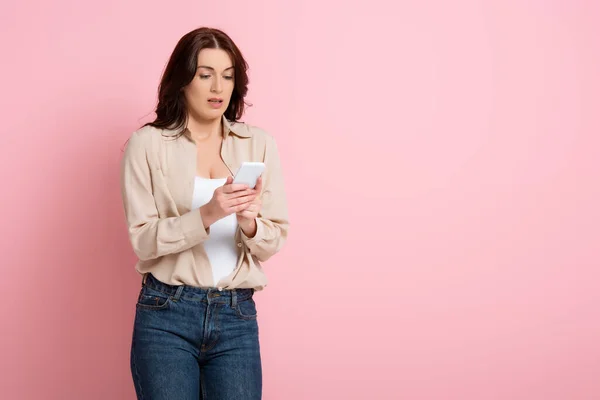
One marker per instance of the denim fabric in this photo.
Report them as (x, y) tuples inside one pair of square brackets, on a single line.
[(192, 343)]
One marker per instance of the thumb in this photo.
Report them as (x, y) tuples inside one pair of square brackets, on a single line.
[(229, 180)]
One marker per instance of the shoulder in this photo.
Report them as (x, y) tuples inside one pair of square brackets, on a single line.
[(142, 138), (262, 141), (256, 133), (145, 134)]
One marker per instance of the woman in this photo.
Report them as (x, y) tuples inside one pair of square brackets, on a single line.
[(200, 238)]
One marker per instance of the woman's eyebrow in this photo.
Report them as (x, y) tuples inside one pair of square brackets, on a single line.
[(211, 68)]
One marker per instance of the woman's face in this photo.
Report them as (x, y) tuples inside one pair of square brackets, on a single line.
[(208, 94)]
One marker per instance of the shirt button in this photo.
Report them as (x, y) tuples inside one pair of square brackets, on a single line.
[(239, 244)]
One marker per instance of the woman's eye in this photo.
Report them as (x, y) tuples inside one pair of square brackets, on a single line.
[(204, 76), (228, 77)]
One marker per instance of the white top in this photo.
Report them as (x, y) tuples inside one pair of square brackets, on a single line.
[(220, 245)]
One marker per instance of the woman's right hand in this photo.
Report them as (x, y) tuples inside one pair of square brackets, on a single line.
[(227, 199)]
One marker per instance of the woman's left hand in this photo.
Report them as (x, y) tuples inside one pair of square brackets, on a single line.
[(247, 218)]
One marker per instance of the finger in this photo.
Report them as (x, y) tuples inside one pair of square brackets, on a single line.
[(252, 210), (245, 200), (245, 214), (241, 209), (259, 183), (256, 204), (234, 187), (248, 199), (240, 193), (233, 201)]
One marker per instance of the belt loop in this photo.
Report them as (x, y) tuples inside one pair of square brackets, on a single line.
[(178, 292), (233, 298), (144, 279)]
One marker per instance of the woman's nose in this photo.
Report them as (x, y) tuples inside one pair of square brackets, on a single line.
[(216, 87)]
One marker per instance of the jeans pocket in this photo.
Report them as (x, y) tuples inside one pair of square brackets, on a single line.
[(246, 309), (150, 299)]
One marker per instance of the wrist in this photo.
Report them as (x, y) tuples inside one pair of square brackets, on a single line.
[(207, 216), (249, 228)]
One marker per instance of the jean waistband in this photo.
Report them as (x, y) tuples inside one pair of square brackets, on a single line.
[(193, 291)]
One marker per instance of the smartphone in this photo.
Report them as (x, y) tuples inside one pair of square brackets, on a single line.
[(248, 173)]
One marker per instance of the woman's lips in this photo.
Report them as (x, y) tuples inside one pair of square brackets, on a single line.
[(215, 103)]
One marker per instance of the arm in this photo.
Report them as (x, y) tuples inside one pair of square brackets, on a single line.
[(152, 237), (272, 222)]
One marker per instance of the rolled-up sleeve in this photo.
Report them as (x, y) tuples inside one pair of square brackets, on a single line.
[(272, 224), (150, 236)]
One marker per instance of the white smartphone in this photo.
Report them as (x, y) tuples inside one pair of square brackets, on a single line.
[(248, 173)]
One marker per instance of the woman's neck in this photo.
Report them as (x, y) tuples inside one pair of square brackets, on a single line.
[(203, 129)]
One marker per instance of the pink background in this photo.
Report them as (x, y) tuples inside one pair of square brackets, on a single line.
[(441, 160)]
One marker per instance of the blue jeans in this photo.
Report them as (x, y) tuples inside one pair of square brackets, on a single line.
[(193, 343)]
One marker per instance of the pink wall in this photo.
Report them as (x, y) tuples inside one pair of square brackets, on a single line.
[(443, 176)]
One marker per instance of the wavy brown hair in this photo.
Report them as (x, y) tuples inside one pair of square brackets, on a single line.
[(171, 110)]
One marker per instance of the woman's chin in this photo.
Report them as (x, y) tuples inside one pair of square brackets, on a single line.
[(211, 114)]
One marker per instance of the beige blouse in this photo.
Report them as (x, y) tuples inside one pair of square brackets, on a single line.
[(157, 182)]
